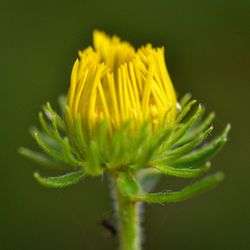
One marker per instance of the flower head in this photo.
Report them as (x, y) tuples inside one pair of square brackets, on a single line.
[(120, 118), (115, 82)]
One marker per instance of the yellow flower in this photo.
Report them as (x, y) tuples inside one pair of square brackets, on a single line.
[(115, 82)]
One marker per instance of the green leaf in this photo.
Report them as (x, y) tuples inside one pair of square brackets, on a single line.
[(152, 148), (51, 132), (93, 166), (118, 147), (140, 137), (185, 99), (185, 110), (183, 172), (53, 153), (63, 154), (199, 129), (50, 113), (70, 124), (102, 136), (68, 154), (79, 137), (172, 155), (184, 194), (177, 135), (61, 181), (44, 124), (42, 159), (205, 153), (46, 138), (56, 133)]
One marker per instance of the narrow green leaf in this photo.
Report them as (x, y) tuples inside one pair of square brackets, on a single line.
[(185, 110), (205, 153), (183, 172), (199, 129), (185, 99), (56, 133), (69, 121), (48, 110), (176, 136), (118, 147), (68, 154), (152, 148), (79, 137), (140, 137), (46, 138), (61, 181), (176, 153), (191, 145), (94, 165), (63, 154), (44, 124), (102, 136), (47, 148), (184, 194), (41, 159)]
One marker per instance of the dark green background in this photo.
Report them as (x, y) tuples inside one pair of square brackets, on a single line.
[(208, 54)]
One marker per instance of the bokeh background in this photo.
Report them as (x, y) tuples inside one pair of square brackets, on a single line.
[(208, 54)]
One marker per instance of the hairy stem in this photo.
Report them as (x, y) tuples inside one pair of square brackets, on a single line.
[(128, 221)]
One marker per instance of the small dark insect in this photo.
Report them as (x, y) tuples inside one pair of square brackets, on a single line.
[(109, 226)]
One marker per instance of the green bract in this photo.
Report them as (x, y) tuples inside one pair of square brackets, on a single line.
[(135, 158)]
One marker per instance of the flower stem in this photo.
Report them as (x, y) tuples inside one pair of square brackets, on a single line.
[(128, 222)]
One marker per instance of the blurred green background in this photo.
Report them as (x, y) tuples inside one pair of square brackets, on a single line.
[(208, 53)]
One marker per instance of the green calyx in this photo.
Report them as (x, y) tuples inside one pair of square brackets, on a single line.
[(136, 159)]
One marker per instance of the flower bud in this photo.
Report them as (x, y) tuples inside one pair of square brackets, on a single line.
[(115, 82)]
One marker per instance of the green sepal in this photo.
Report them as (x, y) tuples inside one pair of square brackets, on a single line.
[(140, 136), (118, 146), (70, 124), (93, 164), (79, 136), (185, 99), (62, 154), (44, 124), (205, 153), (182, 130), (42, 159), (128, 185), (102, 138), (61, 181), (151, 148), (53, 131), (174, 154), (48, 110), (56, 132), (183, 172), (199, 129), (69, 156), (184, 111), (47, 148), (46, 138), (184, 194)]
